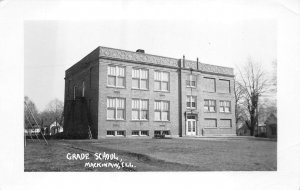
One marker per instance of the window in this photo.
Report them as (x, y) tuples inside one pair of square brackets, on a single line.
[(83, 88), (210, 105), (91, 77), (115, 133), (74, 92), (161, 81), (166, 132), (139, 109), (110, 133), (68, 88), (226, 123), (157, 132), (116, 76), (144, 133), (161, 111), (210, 123), (135, 133), (209, 84), (191, 102), (191, 81), (225, 106), (120, 133), (115, 108), (224, 86), (140, 79)]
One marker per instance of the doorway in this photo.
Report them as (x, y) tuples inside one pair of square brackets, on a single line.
[(191, 125)]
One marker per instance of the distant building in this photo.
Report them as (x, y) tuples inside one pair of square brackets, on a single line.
[(271, 126), (55, 128), (113, 92)]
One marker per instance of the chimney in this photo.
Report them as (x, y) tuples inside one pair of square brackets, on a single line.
[(140, 51)]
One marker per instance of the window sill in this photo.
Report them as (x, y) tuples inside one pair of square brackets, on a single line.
[(115, 120), (210, 127), (225, 127), (161, 91), (119, 87), (139, 120), (208, 91), (163, 121), (226, 112), (140, 89), (191, 87), (210, 112)]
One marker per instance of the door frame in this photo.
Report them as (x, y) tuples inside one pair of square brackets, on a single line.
[(192, 133)]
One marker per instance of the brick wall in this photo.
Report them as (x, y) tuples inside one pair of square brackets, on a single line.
[(128, 93)]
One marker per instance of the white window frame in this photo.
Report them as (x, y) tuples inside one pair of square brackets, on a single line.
[(116, 76), (116, 109), (144, 135), (190, 80), (223, 106), (210, 105), (140, 109), (190, 97), (140, 79), (160, 81), (161, 110)]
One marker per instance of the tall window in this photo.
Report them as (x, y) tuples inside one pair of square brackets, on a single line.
[(191, 81), (161, 81), (116, 76), (83, 88), (74, 92), (225, 106), (210, 105), (68, 88), (191, 102), (116, 108), (140, 79), (209, 84), (140, 109), (161, 111)]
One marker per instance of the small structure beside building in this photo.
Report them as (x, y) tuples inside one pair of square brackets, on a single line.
[(267, 129), (55, 128), (271, 126)]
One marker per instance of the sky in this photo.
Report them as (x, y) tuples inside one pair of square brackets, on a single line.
[(50, 47)]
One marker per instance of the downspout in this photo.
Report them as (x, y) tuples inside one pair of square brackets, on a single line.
[(181, 64)]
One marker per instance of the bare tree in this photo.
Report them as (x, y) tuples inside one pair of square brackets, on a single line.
[(238, 93), (254, 83), (30, 111), (54, 109)]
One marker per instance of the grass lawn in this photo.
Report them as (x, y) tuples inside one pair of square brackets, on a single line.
[(179, 154)]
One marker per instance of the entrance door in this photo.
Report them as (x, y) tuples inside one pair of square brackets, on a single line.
[(191, 126)]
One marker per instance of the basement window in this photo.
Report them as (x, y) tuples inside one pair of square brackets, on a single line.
[(110, 133), (135, 133), (120, 133), (144, 133)]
